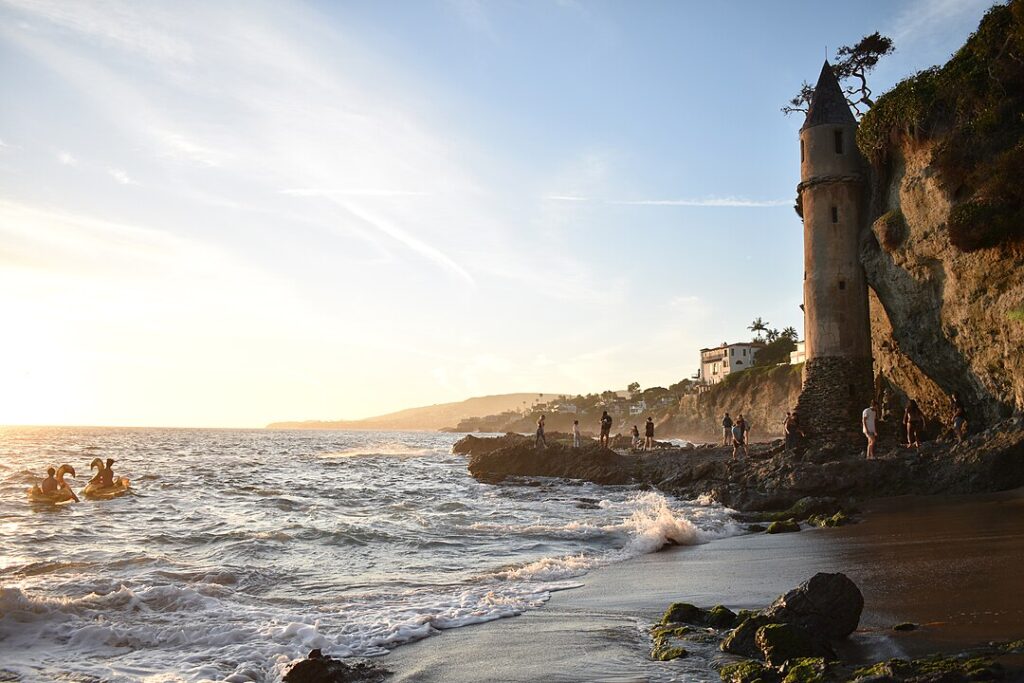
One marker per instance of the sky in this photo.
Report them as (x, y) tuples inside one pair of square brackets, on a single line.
[(232, 213)]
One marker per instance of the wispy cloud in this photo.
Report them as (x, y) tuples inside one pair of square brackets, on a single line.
[(67, 159), (704, 201), (121, 176), (351, 192), (926, 19), (178, 146), (566, 198)]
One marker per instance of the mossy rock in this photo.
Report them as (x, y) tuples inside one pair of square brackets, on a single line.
[(683, 613), (1015, 647), (780, 643), (748, 672), (905, 626), (756, 528), (666, 653), (938, 668), (742, 639), (838, 519), (669, 631), (720, 616), (808, 670), (783, 527)]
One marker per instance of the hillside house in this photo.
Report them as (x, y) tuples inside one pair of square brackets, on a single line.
[(718, 362)]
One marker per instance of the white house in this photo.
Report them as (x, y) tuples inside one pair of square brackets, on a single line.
[(637, 407), (717, 362), (798, 356)]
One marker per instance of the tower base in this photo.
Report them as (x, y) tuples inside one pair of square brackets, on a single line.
[(836, 390)]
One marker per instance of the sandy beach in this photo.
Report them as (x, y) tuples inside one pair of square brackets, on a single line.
[(950, 564)]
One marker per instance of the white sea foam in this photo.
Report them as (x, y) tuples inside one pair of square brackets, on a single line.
[(212, 572)]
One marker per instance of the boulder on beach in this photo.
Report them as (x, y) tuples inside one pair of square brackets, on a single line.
[(779, 643), (826, 604), (786, 526), (320, 668)]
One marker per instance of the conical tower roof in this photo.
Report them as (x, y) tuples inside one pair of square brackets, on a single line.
[(828, 104)]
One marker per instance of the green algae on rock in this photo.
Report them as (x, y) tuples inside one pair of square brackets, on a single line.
[(748, 672), (780, 643), (783, 527)]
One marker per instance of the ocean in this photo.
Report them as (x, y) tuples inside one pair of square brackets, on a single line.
[(238, 551)]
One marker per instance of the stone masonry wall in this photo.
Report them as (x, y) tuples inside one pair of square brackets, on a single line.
[(836, 390)]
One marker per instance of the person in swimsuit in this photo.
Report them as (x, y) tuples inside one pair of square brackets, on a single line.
[(649, 434), (575, 433), (540, 433), (106, 475), (49, 485)]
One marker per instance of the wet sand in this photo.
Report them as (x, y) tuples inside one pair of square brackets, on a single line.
[(953, 565)]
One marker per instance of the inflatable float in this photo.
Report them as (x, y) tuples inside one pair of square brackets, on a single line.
[(94, 489), (63, 493)]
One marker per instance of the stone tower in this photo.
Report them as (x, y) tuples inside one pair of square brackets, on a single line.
[(837, 382)]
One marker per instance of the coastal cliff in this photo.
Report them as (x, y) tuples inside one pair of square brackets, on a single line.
[(944, 251), (761, 394)]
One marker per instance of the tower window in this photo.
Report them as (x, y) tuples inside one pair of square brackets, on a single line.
[(838, 137), (801, 151), (842, 284), (835, 214)]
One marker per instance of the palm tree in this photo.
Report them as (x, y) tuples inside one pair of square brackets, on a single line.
[(789, 333), (757, 327), (771, 335)]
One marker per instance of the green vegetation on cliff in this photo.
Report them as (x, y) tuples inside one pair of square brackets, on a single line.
[(974, 105)]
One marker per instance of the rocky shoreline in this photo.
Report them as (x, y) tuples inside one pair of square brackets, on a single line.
[(772, 479)]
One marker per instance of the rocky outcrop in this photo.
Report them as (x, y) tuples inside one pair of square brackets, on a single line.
[(761, 395), (944, 254), (320, 668), (773, 479), (826, 604)]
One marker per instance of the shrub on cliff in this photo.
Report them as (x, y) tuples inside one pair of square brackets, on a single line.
[(973, 107)]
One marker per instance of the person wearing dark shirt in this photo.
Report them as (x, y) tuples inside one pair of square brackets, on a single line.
[(726, 429), (606, 428), (649, 434)]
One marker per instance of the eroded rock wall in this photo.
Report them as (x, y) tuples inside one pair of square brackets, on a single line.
[(943, 319)]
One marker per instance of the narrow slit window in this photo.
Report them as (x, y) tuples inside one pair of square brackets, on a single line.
[(835, 214), (838, 137), (801, 151), (842, 284)]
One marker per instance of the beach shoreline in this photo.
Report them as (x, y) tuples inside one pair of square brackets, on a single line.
[(946, 563)]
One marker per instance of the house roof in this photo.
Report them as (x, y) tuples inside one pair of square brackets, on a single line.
[(828, 104), (756, 345)]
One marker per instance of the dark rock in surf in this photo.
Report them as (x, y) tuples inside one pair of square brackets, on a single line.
[(827, 604), (320, 668)]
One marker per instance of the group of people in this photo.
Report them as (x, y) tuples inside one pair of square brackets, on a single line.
[(913, 421), (735, 432), (51, 484), (606, 429)]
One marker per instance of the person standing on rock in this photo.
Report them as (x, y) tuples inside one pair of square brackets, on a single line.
[(635, 433), (791, 428), (739, 437), (867, 422), (606, 428), (959, 416), (913, 421), (540, 433), (575, 433), (649, 434), (726, 429)]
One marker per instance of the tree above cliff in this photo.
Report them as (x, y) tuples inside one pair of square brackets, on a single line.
[(851, 66)]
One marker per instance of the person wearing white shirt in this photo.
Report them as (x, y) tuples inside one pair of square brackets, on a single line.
[(867, 422)]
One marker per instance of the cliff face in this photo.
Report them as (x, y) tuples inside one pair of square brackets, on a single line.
[(944, 254), (942, 319), (761, 394)]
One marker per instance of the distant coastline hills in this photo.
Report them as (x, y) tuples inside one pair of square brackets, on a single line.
[(428, 418)]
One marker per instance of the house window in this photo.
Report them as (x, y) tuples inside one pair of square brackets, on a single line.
[(835, 214), (732, 352), (744, 352), (839, 141), (842, 284)]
